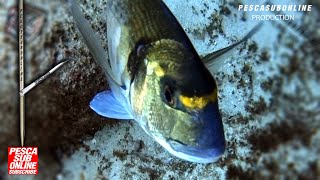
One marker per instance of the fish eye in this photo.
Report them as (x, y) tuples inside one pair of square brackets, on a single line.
[(140, 49), (168, 94)]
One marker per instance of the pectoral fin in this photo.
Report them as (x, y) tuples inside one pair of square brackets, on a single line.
[(106, 105), (214, 57)]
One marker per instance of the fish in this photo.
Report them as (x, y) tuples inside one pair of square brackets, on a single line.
[(157, 78)]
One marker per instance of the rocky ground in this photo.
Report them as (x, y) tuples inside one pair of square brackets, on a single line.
[(268, 93)]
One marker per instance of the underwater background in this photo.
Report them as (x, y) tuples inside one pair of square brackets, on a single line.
[(269, 95)]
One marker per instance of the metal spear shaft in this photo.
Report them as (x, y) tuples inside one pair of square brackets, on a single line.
[(21, 73)]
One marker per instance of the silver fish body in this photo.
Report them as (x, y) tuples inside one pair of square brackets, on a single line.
[(156, 78)]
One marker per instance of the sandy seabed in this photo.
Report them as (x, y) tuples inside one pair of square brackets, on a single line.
[(268, 94)]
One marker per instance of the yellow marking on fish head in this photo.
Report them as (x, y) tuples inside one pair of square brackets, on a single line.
[(157, 69), (198, 102)]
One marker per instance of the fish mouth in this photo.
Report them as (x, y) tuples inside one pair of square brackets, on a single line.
[(209, 143), (192, 154), (196, 154), (210, 132)]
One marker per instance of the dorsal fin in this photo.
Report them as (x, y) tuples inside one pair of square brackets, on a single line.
[(92, 41)]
